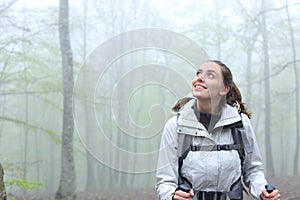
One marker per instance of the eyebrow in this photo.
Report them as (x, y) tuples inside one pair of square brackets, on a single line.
[(201, 70), (212, 71)]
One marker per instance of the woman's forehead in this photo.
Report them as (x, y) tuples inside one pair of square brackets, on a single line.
[(211, 66)]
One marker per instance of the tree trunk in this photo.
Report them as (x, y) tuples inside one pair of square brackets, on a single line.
[(219, 34), (66, 188), (90, 161), (2, 186), (268, 145), (25, 137), (296, 73)]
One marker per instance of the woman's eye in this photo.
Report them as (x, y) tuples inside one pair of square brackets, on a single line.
[(210, 75)]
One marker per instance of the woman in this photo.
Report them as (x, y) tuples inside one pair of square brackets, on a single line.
[(212, 173)]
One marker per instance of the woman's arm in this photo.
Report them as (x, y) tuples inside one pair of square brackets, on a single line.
[(253, 174), (167, 175)]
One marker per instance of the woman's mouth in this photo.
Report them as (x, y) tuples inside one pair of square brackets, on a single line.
[(200, 87)]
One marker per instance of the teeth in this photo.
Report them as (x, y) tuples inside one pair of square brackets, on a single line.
[(199, 87)]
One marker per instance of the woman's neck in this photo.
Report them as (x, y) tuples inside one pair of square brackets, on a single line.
[(208, 107)]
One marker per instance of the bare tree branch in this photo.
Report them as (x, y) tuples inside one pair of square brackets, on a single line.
[(278, 72), (3, 8), (49, 132)]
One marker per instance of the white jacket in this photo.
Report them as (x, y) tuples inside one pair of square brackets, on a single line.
[(208, 170)]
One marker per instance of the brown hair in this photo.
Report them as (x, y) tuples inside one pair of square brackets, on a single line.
[(234, 96)]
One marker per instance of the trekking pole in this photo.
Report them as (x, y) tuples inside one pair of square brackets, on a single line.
[(186, 188), (269, 188)]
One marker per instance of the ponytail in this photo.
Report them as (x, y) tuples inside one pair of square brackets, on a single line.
[(234, 96)]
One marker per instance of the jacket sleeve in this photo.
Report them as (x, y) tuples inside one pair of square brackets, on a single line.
[(253, 176), (166, 173)]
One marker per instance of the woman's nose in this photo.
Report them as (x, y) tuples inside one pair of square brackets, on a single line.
[(200, 77)]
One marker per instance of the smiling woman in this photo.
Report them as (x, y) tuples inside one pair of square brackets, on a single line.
[(208, 87), (210, 144), (137, 74)]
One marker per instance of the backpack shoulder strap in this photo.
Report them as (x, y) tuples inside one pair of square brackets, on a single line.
[(237, 131), (184, 143)]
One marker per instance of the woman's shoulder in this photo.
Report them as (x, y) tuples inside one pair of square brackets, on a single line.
[(245, 119), (171, 122)]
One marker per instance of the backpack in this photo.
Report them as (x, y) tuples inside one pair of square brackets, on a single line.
[(237, 129), (185, 146)]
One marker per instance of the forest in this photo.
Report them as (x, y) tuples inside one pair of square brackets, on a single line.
[(87, 86)]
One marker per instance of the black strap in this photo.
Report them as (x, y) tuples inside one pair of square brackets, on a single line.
[(182, 181), (237, 138), (219, 147), (202, 195)]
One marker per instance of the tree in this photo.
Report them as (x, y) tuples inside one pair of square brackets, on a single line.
[(90, 161), (269, 157), (297, 116), (66, 188), (2, 186)]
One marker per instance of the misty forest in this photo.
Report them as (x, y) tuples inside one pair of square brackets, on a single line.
[(87, 86)]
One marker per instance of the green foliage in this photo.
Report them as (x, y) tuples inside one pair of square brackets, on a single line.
[(25, 185), (51, 133)]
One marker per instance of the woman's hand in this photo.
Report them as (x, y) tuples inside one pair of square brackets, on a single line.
[(270, 196), (180, 195)]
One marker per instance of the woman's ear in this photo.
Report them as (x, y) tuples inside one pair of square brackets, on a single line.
[(225, 91)]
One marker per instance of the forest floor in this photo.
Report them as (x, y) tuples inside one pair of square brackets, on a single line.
[(289, 190)]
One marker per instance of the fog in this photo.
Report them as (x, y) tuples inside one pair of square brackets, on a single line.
[(131, 61)]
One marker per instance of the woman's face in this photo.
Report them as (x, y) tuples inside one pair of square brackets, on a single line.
[(208, 83)]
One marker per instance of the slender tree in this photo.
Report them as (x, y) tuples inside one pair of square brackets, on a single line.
[(2, 186), (296, 73), (90, 161), (66, 188), (269, 157)]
